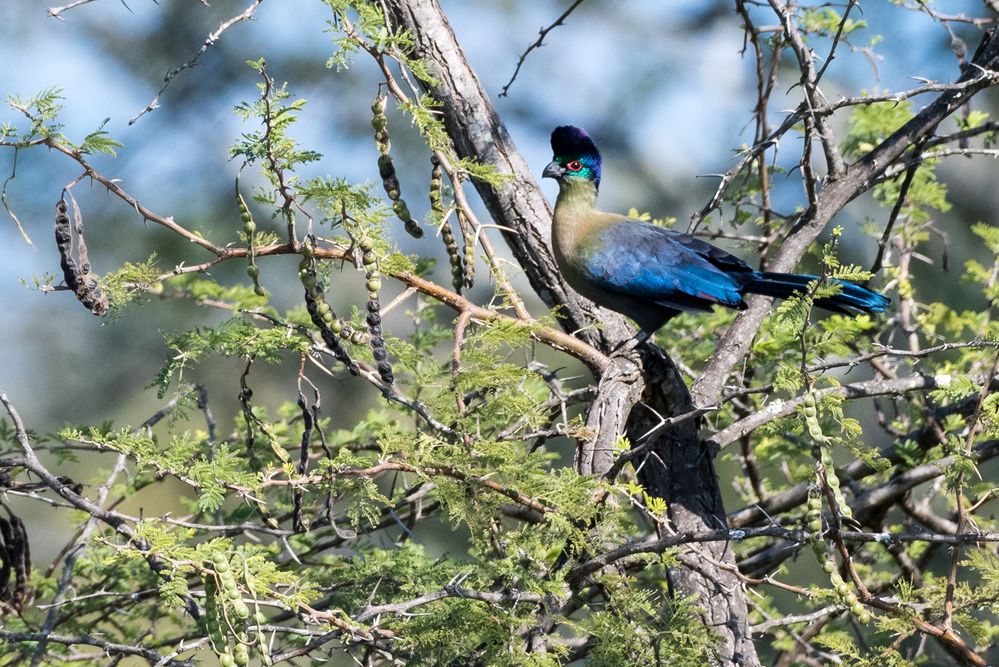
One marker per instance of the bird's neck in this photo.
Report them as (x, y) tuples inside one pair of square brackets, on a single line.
[(575, 217), (576, 196)]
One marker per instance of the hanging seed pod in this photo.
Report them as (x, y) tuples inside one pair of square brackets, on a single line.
[(469, 236), (76, 270), (813, 516), (437, 219), (842, 588), (249, 229), (386, 168), (832, 480), (329, 325), (376, 337)]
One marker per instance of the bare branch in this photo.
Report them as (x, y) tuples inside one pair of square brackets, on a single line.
[(213, 37), (538, 44)]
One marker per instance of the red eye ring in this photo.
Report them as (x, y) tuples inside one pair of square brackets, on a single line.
[(574, 165)]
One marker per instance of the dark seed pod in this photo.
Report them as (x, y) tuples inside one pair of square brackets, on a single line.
[(76, 270), (374, 317), (386, 168), (331, 328)]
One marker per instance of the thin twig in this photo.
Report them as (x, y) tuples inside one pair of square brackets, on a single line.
[(213, 37), (538, 43)]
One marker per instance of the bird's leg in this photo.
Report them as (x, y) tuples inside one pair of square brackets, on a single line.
[(633, 342)]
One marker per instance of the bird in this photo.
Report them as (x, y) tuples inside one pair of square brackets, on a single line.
[(648, 272)]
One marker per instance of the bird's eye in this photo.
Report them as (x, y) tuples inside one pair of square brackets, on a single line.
[(575, 165)]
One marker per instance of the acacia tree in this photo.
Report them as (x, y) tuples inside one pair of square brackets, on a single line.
[(307, 531)]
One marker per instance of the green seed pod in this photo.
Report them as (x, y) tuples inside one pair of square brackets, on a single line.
[(864, 617), (842, 589), (469, 258), (250, 227), (857, 609), (828, 566), (378, 106), (242, 656), (253, 271), (373, 285), (233, 594), (815, 525), (401, 210), (850, 599), (226, 660), (357, 337), (833, 481), (337, 326), (260, 618)]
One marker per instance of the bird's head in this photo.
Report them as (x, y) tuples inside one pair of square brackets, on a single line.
[(576, 156)]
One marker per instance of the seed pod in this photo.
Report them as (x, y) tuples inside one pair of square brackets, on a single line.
[(249, 229), (322, 316), (373, 282), (469, 261), (437, 220), (76, 270), (386, 168)]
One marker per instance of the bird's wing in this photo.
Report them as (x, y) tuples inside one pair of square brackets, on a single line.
[(647, 262), (723, 260)]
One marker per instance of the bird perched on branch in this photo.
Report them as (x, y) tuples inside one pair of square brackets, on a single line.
[(650, 273)]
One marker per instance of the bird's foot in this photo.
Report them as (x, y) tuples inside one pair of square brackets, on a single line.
[(627, 346)]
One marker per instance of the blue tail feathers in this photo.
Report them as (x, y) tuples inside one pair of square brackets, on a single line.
[(851, 299)]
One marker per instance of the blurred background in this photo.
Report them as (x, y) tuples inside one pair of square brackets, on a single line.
[(662, 87)]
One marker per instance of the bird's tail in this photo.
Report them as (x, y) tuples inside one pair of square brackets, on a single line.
[(851, 299)]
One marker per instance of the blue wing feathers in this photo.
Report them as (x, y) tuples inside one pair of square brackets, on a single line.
[(673, 270), (649, 262)]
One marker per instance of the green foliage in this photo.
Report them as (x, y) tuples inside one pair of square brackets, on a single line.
[(43, 111), (827, 21), (234, 338), (99, 141), (438, 518)]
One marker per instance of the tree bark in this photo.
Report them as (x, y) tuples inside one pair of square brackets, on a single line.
[(676, 465)]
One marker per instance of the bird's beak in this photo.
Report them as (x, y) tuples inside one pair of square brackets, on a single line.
[(553, 170)]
